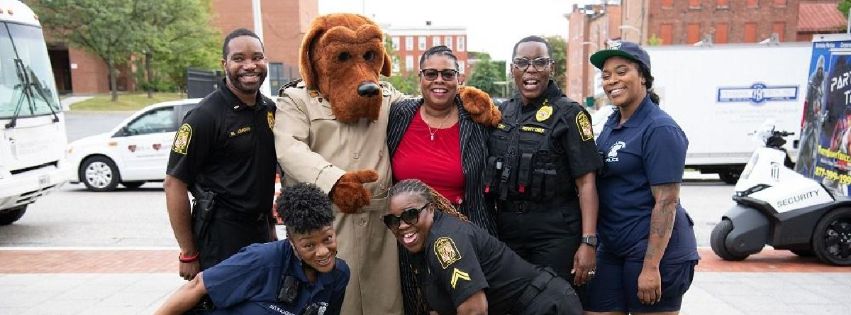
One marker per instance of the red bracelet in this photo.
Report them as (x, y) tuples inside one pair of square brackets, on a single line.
[(188, 259)]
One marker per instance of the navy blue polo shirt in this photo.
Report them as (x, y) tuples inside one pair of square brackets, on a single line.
[(249, 281), (648, 150)]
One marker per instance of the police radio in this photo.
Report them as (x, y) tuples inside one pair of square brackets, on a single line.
[(289, 290)]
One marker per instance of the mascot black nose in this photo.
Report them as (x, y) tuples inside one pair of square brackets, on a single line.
[(368, 89)]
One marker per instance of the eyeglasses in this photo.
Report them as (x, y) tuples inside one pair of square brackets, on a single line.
[(410, 216), (431, 74), (539, 63)]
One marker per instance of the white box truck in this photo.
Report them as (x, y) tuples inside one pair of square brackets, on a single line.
[(720, 94)]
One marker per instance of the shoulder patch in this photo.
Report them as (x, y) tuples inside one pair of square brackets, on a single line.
[(446, 251), (457, 274), (544, 112), (270, 118), (182, 139), (583, 124)]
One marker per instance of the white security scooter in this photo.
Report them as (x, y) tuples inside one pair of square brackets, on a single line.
[(777, 206)]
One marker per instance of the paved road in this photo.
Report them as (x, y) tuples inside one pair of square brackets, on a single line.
[(81, 124)]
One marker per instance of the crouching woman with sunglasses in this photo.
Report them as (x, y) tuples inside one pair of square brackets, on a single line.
[(461, 269)]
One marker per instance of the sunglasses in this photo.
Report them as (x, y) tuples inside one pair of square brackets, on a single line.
[(431, 74), (539, 63), (410, 216)]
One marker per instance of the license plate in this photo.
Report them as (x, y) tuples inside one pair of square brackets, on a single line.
[(43, 180)]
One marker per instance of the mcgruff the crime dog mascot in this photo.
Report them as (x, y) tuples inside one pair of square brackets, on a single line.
[(331, 131)]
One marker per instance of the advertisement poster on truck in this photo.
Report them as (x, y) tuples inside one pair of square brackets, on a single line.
[(825, 147)]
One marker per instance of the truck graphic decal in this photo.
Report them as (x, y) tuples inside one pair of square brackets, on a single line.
[(758, 93)]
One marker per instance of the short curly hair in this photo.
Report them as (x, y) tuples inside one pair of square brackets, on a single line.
[(304, 208)]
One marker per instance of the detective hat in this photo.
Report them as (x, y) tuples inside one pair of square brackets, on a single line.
[(628, 50)]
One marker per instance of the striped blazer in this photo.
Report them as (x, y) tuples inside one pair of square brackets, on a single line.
[(474, 152)]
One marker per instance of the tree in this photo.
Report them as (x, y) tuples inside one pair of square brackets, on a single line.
[(558, 46), (843, 7), (486, 73), (109, 29)]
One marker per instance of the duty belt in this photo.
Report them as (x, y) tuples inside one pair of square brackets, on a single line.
[(538, 285), (231, 215)]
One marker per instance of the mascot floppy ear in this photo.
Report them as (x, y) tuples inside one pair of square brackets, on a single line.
[(385, 68), (305, 66)]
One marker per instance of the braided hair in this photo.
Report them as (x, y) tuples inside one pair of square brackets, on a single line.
[(423, 191), (304, 208)]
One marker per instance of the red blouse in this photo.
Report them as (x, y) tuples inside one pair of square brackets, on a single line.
[(436, 162)]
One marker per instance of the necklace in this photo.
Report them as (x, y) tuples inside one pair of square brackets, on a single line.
[(433, 132)]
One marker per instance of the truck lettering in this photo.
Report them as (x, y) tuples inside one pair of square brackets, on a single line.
[(796, 199), (839, 82)]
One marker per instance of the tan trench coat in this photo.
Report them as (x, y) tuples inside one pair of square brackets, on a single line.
[(313, 147)]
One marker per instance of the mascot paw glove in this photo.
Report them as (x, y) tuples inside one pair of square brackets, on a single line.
[(480, 106), (349, 194)]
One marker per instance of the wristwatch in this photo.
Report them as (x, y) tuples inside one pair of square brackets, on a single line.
[(590, 239)]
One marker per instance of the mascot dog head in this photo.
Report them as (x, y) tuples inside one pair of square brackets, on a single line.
[(341, 57)]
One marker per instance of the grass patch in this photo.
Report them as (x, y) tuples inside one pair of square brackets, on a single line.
[(125, 102)]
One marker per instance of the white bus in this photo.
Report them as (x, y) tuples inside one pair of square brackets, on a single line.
[(32, 125)]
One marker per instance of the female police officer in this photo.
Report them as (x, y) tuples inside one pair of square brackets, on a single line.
[(299, 275), (541, 170), (648, 250), (462, 269)]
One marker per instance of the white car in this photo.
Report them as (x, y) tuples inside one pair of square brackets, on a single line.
[(599, 118), (134, 152)]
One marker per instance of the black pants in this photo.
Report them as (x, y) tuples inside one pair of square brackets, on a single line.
[(228, 232), (548, 295), (543, 238)]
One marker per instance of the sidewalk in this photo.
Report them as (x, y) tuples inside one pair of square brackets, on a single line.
[(138, 281)]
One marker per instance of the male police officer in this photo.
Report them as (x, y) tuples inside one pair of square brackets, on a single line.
[(224, 153), (541, 170)]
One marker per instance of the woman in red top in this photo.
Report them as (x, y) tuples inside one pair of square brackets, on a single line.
[(433, 139)]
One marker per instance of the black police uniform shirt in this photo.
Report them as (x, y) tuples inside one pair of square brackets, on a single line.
[(460, 259), (648, 149), (249, 282), (570, 136), (228, 147)]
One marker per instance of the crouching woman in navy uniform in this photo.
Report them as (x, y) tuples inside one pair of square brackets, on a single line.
[(298, 275), (461, 269)]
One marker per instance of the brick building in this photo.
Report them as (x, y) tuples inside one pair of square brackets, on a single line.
[(284, 25), (687, 22), (411, 42)]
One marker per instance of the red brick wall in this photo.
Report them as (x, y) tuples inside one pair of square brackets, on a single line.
[(735, 13), (403, 50), (90, 76), (284, 24)]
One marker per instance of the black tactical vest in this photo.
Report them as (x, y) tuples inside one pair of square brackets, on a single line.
[(523, 164)]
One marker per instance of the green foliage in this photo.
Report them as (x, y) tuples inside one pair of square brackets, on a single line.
[(407, 84), (176, 33), (486, 74), (558, 46), (843, 7), (654, 40)]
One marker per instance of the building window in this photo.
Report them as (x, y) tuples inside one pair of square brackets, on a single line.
[(750, 32), (694, 4), (395, 67), (448, 41), (780, 3), (409, 43), (666, 32), (435, 41), (461, 44), (421, 43), (722, 4), (779, 28), (276, 75), (667, 4), (461, 66), (409, 63), (721, 31), (692, 33), (395, 40), (752, 3)]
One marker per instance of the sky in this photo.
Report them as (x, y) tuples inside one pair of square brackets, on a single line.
[(492, 26)]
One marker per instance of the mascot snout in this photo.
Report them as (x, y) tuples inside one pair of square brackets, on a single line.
[(368, 89)]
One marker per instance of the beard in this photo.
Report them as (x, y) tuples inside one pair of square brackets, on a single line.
[(251, 88)]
